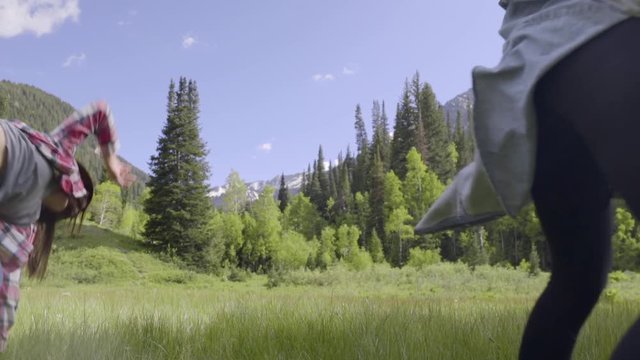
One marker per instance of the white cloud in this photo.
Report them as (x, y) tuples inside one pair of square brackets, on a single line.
[(36, 16), (75, 60), (188, 41), (323, 77), (350, 69), (266, 147)]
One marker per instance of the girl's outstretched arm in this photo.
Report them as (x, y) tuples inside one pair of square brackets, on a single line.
[(95, 119)]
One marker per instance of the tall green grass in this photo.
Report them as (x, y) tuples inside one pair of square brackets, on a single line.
[(248, 322), (105, 298)]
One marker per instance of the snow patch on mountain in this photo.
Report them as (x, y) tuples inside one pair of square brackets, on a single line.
[(255, 188)]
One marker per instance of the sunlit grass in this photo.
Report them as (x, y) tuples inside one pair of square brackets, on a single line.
[(111, 300), (249, 322)]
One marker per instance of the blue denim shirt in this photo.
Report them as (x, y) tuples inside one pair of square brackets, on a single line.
[(537, 34)]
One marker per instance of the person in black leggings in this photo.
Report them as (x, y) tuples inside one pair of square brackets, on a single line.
[(587, 109)]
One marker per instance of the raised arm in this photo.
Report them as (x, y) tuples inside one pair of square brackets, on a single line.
[(94, 119)]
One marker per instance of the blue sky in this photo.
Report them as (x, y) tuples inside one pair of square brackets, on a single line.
[(277, 78)]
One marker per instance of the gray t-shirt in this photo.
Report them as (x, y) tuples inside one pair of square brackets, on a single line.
[(27, 178)]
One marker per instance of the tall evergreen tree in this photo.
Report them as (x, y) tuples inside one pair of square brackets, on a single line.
[(333, 186), (420, 136), (283, 194), (463, 142), (323, 177), (178, 205), (439, 157), (362, 158), (315, 189), (376, 198), (383, 131), (344, 200), (306, 181), (403, 133), (380, 142)]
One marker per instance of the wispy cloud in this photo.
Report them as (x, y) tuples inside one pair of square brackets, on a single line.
[(129, 18), (36, 16), (266, 147), (75, 60), (323, 77), (188, 41), (350, 69)]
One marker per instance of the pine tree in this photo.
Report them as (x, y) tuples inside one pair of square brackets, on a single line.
[(403, 134), (376, 118), (362, 158), (178, 205), (376, 198), (283, 194), (463, 142), (323, 178), (383, 131), (380, 142), (306, 181), (420, 136), (344, 200), (333, 187), (438, 151)]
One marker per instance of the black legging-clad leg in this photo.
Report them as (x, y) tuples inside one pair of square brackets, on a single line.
[(588, 111)]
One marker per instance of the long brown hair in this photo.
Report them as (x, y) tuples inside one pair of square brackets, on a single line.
[(46, 225)]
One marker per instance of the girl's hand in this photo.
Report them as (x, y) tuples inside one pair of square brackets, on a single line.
[(118, 172)]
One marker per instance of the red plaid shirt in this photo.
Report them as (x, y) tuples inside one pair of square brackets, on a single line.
[(58, 148)]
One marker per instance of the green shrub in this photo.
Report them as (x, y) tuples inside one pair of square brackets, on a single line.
[(524, 266), (419, 258), (359, 260), (292, 252), (238, 275)]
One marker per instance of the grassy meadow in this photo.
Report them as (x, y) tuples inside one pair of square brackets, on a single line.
[(104, 298)]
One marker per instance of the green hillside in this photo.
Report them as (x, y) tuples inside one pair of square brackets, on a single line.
[(99, 256)]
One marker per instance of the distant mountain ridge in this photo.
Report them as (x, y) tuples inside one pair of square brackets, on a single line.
[(254, 188), (462, 103)]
